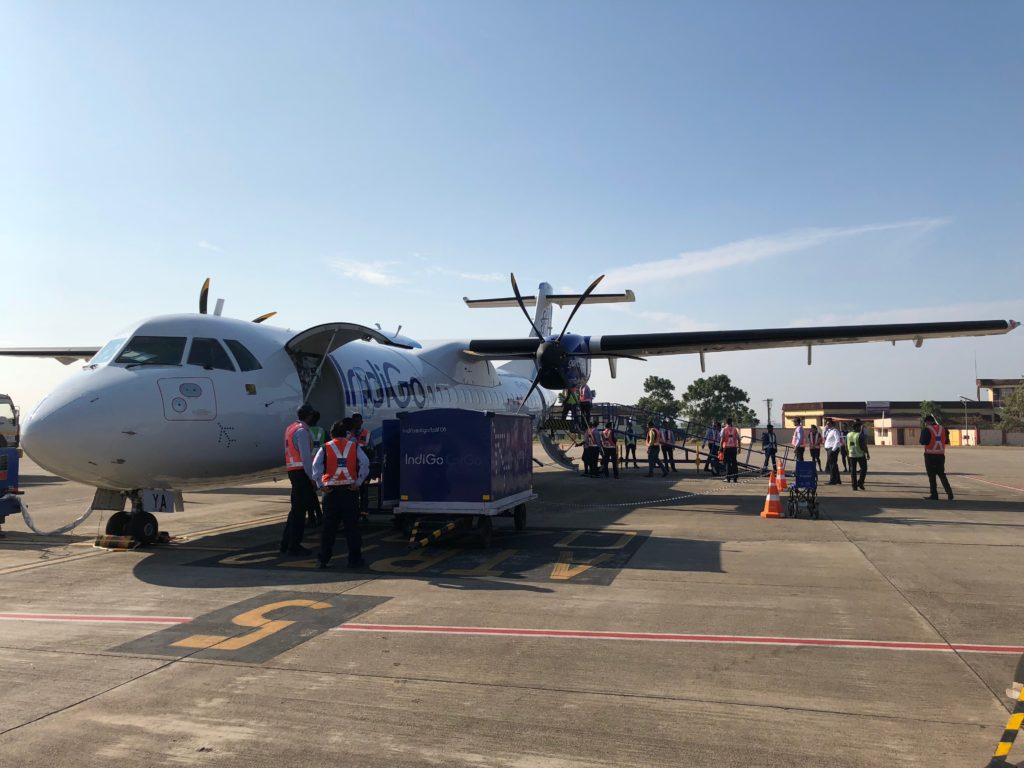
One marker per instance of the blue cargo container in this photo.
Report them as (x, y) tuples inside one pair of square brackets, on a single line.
[(454, 461)]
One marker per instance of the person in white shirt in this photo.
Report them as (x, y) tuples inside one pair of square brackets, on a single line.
[(799, 441), (340, 467), (833, 447)]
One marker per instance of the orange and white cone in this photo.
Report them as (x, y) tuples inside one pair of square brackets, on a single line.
[(780, 475), (772, 504)]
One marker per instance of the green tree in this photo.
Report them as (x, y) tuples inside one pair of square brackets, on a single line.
[(659, 397), (931, 408), (1011, 415), (714, 399)]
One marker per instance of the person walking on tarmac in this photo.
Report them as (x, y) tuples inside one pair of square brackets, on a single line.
[(857, 448), (935, 438), (590, 451), (712, 437), (668, 446), (586, 395), (814, 442), (799, 439), (770, 448), (342, 466), (609, 450), (731, 447), (653, 450), (362, 437), (318, 436), (833, 447), (298, 462), (629, 446)]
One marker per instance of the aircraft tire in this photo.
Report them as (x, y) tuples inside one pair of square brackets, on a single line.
[(116, 524), (519, 517), (144, 528)]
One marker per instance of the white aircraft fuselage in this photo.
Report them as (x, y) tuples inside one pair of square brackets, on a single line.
[(183, 426)]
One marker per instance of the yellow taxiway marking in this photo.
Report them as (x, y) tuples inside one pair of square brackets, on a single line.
[(256, 619)]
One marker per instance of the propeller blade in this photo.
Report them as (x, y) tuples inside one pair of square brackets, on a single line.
[(267, 316), (522, 306), (529, 392), (204, 295), (579, 303)]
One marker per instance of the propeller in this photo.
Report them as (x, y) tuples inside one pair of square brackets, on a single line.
[(522, 306), (204, 295), (579, 303), (267, 316)]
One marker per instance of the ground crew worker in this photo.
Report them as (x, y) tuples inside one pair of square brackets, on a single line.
[(712, 436), (590, 451), (586, 395), (833, 443), (935, 438), (362, 437), (654, 450), (770, 448), (857, 448), (630, 446), (342, 466), (730, 447), (814, 442), (570, 403), (799, 440), (298, 462), (318, 435), (610, 450), (668, 446)]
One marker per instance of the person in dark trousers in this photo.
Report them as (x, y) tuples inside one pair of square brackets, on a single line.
[(362, 437), (844, 453), (799, 439), (770, 448), (629, 446), (609, 450), (731, 447), (857, 447), (298, 444), (591, 452), (318, 436), (342, 466), (586, 396), (935, 438), (668, 446), (654, 450), (711, 438), (814, 443), (833, 441)]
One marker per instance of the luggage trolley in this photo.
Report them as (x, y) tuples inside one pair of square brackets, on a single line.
[(804, 490)]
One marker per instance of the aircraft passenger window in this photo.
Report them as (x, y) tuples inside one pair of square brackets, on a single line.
[(246, 360), (210, 355), (106, 354), (153, 350)]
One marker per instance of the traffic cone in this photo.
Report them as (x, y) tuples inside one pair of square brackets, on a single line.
[(780, 475), (772, 504)]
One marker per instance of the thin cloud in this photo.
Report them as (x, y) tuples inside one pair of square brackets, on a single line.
[(206, 245), (378, 273), (482, 277), (751, 250)]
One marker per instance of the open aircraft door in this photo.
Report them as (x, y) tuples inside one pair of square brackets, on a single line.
[(320, 379)]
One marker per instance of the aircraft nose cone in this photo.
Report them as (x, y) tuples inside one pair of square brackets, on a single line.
[(50, 436)]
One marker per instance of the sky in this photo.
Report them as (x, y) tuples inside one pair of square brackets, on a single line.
[(736, 164)]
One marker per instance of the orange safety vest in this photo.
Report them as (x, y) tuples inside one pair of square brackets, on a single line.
[(608, 438), (815, 439), (730, 437), (363, 438), (341, 462), (292, 457), (653, 436), (936, 439), (590, 438), (586, 394)]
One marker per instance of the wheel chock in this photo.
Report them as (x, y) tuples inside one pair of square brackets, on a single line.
[(116, 543), (1005, 744)]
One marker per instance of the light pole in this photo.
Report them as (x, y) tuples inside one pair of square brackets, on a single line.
[(768, 400), (965, 401)]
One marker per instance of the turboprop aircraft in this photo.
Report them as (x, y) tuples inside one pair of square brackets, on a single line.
[(191, 401)]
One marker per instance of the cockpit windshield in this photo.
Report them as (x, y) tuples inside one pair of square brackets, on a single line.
[(106, 354), (153, 350)]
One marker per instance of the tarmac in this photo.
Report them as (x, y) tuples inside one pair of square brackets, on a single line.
[(630, 624)]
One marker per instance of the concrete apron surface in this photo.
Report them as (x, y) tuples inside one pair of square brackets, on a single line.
[(685, 632)]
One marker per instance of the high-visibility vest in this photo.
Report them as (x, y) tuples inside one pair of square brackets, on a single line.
[(799, 440), (630, 437), (730, 437), (815, 439), (936, 439), (319, 436), (341, 462), (653, 437), (607, 438), (571, 397), (853, 446), (586, 394), (292, 457), (363, 437), (590, 438)]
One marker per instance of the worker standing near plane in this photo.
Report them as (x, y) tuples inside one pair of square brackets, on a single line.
[(590, 451), (799, 440), (318, 435), (586, 395), (814, 442), (935, 438), (298, 460), (654, 450), (833, 447), (731, 447), (770, 448), (857, 448), (570, 404), (668, 446), (629, 446), (610, 450), (361, 435), (712, 437), (342, 466)]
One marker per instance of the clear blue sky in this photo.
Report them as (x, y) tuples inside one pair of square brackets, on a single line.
[(780, 163)]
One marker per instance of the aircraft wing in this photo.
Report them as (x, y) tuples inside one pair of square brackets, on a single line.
[(700, 342), (66, 355)]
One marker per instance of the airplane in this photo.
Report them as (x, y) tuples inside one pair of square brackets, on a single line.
[(190, 401)]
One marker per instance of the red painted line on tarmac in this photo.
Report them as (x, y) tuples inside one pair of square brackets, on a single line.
[(678, 638), (73, 617)]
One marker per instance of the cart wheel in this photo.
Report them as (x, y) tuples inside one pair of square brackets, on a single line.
[(519, 517), (116, 524), (484, 530), (792, 506)]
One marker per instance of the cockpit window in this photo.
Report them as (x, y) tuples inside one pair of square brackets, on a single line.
[(210, 355), (106, 354), (246, 360), (153, 350)]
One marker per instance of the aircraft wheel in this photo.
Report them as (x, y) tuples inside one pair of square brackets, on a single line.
[(116, 524), (519, 517), (144, 528), (484, 531)]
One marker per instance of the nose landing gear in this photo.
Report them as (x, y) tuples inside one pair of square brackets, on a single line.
[(136, 528)]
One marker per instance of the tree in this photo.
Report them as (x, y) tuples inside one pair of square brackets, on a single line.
[(1012, 413), (714, 399), (659, 397), (931, 408)]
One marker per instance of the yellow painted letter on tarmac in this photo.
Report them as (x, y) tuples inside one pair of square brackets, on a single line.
[(566, 568), (418, 560), (255, 618), (484, 569)]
